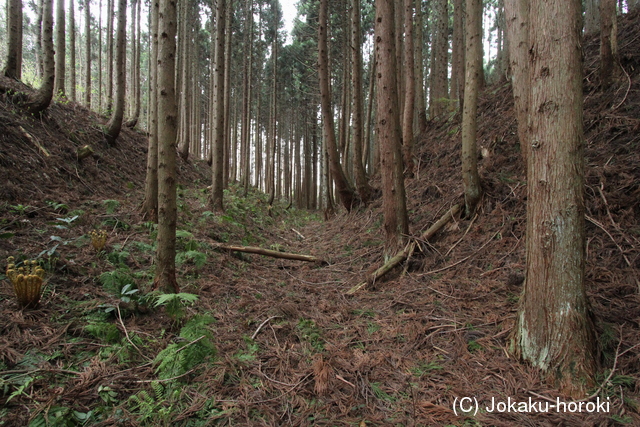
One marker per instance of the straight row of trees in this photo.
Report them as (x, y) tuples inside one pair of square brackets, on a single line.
[(297, 120)]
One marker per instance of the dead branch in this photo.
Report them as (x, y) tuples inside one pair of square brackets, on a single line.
[(269, 252), (407, 251)]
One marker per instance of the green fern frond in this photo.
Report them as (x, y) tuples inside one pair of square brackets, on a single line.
[(198, 258)]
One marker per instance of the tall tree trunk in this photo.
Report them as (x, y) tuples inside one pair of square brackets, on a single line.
[(517, 20), (470, 177), (115, 123), (59, 88), (271, 160), (421, 106), (87, 51), (439, 92), (554, 330), (150, 203), (72, 51), (358, 127), (100, 86), (39, 53), (410, 92), (591, 16), (42, 98), (183, 58), (457, 53), (396, 223), (109, 40), (369, 142), (608, 42), (227, 93), (12, 68), (347, 196), (217, 152), (165, 278), (246, 100)]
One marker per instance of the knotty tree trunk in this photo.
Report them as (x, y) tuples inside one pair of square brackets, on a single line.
[(554, 329), (165, 278), (393, 192)]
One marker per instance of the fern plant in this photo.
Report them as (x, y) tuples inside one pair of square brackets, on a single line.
[(197, 258), (195, 347), (175, 304)]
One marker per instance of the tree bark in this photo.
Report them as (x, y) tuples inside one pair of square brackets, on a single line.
[(591, 16), (554, 329), (42, 99), (39, 36), (409, 88), (271, 159), (150, 203), (358, 127), (217, 152), (12, 68), (396, 224), (87, 51), (347, 196), (72, 51), (109, 40), (517, 20), (608, 42), (457, 53), (114, 125), (100, 86), (60, 54), (439, 92), (165, 278), (421, 107), (227, 95), (470, 177)]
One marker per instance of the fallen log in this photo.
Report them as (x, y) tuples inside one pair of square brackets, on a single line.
[(269, 252), (407, 251)]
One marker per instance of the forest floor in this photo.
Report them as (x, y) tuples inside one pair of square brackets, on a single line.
[(255, 340)]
